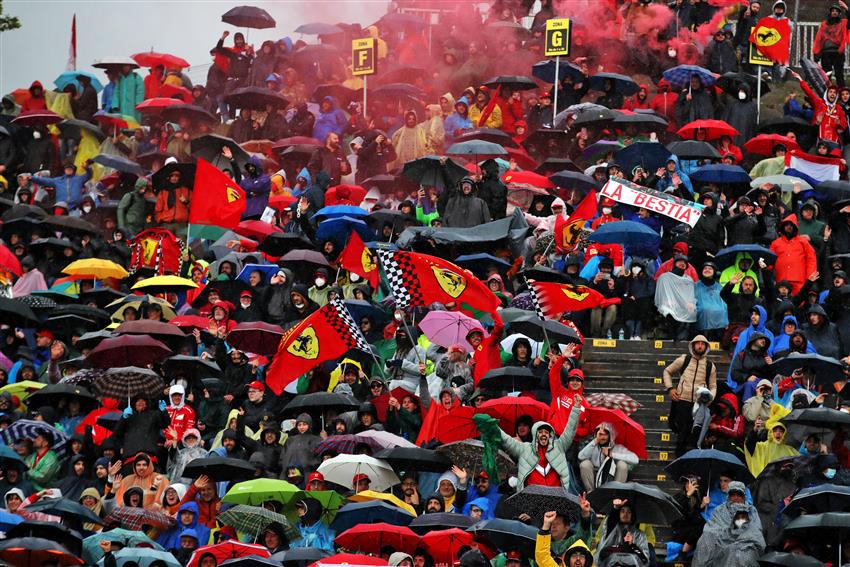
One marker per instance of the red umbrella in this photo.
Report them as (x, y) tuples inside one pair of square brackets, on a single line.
[(280, 202), (9, 261), (112, 120), (256, 229), (629, 433), (713, 129), (443, 545), (457, 426), (146, 327), (152, 59), (230, 549), (155, 105), (131, 518), (37, 118), (128, 350), (521, 158), (370, 538), (382, 402), (190, 322), (172, 91), (527, 179), (257, 146), (345, 195), (763, 144), (256, 336), (296, 141), (508, 409), (350, 559)]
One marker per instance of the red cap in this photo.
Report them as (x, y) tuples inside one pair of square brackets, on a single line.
[(361, 476), (483, 474), (45, 333), (513, 555), (316, 476), (256, 385), (246, 293)]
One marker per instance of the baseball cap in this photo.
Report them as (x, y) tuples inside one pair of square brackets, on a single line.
[(45, 333), (256, 385), (513, 556), (361, 476), (315, 476)]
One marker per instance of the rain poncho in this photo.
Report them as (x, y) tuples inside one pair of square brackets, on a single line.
[(481, 502), (612, 536), (782, 341), (665, 184), (314, 533), (712, 312), (674, 296), (727, 274), (723, 543), (770, 450)]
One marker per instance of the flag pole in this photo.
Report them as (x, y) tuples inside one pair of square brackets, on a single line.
[(538, 310), (410, 336)]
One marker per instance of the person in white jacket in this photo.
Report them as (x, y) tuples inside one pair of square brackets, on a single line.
[(602, 459), (558, 209)]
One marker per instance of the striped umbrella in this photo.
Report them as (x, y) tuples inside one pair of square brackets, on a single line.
[(132, 518), (254, 519), (29, 429)]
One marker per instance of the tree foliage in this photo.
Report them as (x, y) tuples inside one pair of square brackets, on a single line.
[(8, 22)]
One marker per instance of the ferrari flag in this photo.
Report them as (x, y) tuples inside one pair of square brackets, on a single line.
[(568, 231), (358, 259), (552, 299), (772, 38)]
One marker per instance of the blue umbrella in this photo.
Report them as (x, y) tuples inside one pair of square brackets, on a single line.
[(340, 211), (623, 84), (573, 180), (719, 173), (481, 261), (625, 232), (70, 78), (726, 256), (371, 512), (649, 155), (360, 308), (545, 71), (709, 464), (7, 520), (120, 163), (268, 270), (338, 229), (680, 76), (143, 557)]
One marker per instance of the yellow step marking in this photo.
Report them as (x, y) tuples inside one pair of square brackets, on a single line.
[(607, 343)]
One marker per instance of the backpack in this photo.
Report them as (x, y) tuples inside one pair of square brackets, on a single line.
[(708, 368)]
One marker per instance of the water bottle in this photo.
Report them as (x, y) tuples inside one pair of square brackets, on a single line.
[(622, 335)]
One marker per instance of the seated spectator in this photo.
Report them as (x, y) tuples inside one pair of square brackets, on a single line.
[(603, 459), (621, 541)]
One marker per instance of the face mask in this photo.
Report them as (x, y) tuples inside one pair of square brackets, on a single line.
[(829, 473), (606, 210), (320, 282), (36, 135), (354, 277), (637, 270), (86, 208), (245, 304), (742, 95), (298, 304), (671, 52), (740, 523)]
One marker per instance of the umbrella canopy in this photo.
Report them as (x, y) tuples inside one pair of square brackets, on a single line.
[(248, 17), (370, 512), (320, 401), (132, 518), (621, 84), (573, 180), (413, 458), (649, 155), (511, 82), (819, 499), (643, 120), (782, 559), (254, 519), (156, 104), (505, 535), (825, 368), (468, 454), (255, 98), (488, 135), (114, 61), (630, 433), (626, 233), (398, 90), (371, 538), (711, 129), (545, 71), (257, 337), (622, 402), (134, 350), (786, 183), (318, 28), (732, 82), (439, 521), (16, 314), (164, 284), (255, 492), (73, 129), (189, 111), (532, 326), (680, 76), (229, 549), (826, 418), (143, 556), (763, 144), (191, 366), (29, 429), (10, 262), (65, 508), (726, 256), (53, 394), (279, 244), (154, 59), (693, 149), (444, 545), (119, 163), (479, 149), (448, 328), (509, 378), (32, 118), (431, 170), (535, 500), (95, 268), (719, 173), (652, 505), (128, 382), (709, 464), (35, 552), (210, 146), (300, 556), (343, 468)]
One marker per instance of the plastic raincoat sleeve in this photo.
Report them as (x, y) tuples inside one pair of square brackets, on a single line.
[(674, 296)]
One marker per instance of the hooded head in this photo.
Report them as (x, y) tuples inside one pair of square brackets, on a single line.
[(173, 393)]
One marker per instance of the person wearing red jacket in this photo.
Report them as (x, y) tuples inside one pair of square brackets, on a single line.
[(512, 112), (487, 353), (565, 396), (203, 493), (666, 266), (182, 416), (639, 101), (828, 115), (795, 257), (664, 103), (36, 100), (726, 425)]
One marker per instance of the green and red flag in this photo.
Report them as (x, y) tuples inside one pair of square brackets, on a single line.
[(217, 202)]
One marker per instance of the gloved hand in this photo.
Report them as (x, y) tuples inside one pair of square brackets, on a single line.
[(162, 405), (128, 411)]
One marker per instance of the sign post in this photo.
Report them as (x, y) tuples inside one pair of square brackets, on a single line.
[(558, 39), (364, 59), (756, 58)]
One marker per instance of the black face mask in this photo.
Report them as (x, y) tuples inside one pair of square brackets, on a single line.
[(678, 271), (707, 280)]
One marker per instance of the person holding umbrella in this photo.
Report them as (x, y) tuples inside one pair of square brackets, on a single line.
[(621, 541), (733, 535)]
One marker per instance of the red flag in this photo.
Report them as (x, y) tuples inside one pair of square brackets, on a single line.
[(419, 279), (772, 38), (557, 298), (567, 231), (325, 335), (358, 259), (216, 200), (72, 50)]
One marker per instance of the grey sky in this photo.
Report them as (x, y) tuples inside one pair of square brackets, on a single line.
[(189, 29)]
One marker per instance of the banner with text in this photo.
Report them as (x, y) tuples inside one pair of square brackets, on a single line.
[(627, 193)]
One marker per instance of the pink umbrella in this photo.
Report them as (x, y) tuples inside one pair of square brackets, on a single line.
[(447, 328)]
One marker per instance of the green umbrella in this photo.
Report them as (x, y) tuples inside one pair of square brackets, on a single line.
[(255, 492), (253, 520), (130, 538)]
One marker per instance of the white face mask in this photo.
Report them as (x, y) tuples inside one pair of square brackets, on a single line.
[(606, 210), (36, 135), (740, 523), (86, 208), (298, 304), (742, 95), (245, 303), (671, 52), (320, 282), (354, 277), (637, 270)]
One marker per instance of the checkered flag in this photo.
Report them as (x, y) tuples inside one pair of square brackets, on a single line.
[(394, 268), (344, 323), (535, 300)]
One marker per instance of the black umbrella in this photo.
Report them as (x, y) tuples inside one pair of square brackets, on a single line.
[(65, 223), (820, 499), (318, 28), (219, 468), (65, 508), (37, 302), (300, 556), (312, 54), (589, 118), (540, 137), (693, 149), (573, 180), (533, 327), (650, 503), (101, 296), (72, 129), (398, 90), (192, 366), (826, 418), (187, 174), (397, 219), (320, 401), (66, 325), (432, 170), (731, 83), (100, 315), (53, 394), (545, 71), (536, 500), (825, 368), (709, 464), (510, 378), (280, 243), (342, 94), (622, 84), (784, 125), (641, 119), (255, 98), (829, 526), (649, 155), (192, 112), (402, 74), (505, 535), (248, 17), (120, 163), (467, 454), (781, 559), (511, 82), (545, 274), (553, 165), (210, 146), (413, 459), (23, 211), (439, 521), (16, 314), (837, 189), (48, 530), (488, 135)]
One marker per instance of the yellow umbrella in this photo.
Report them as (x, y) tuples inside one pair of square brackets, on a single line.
[(22, 389), (137, 302), (368, 495), (163, 284), (96, 268)]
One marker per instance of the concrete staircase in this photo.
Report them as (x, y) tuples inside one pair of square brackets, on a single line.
[(635, 368)]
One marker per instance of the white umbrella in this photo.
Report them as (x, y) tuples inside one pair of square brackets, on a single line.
[(342, 469), (507, 344), (785, 182), (385, 439)]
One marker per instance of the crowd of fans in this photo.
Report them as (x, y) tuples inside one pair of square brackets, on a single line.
[(461, 132)]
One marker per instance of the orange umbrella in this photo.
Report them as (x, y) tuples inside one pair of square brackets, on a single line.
[(153, 59)]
